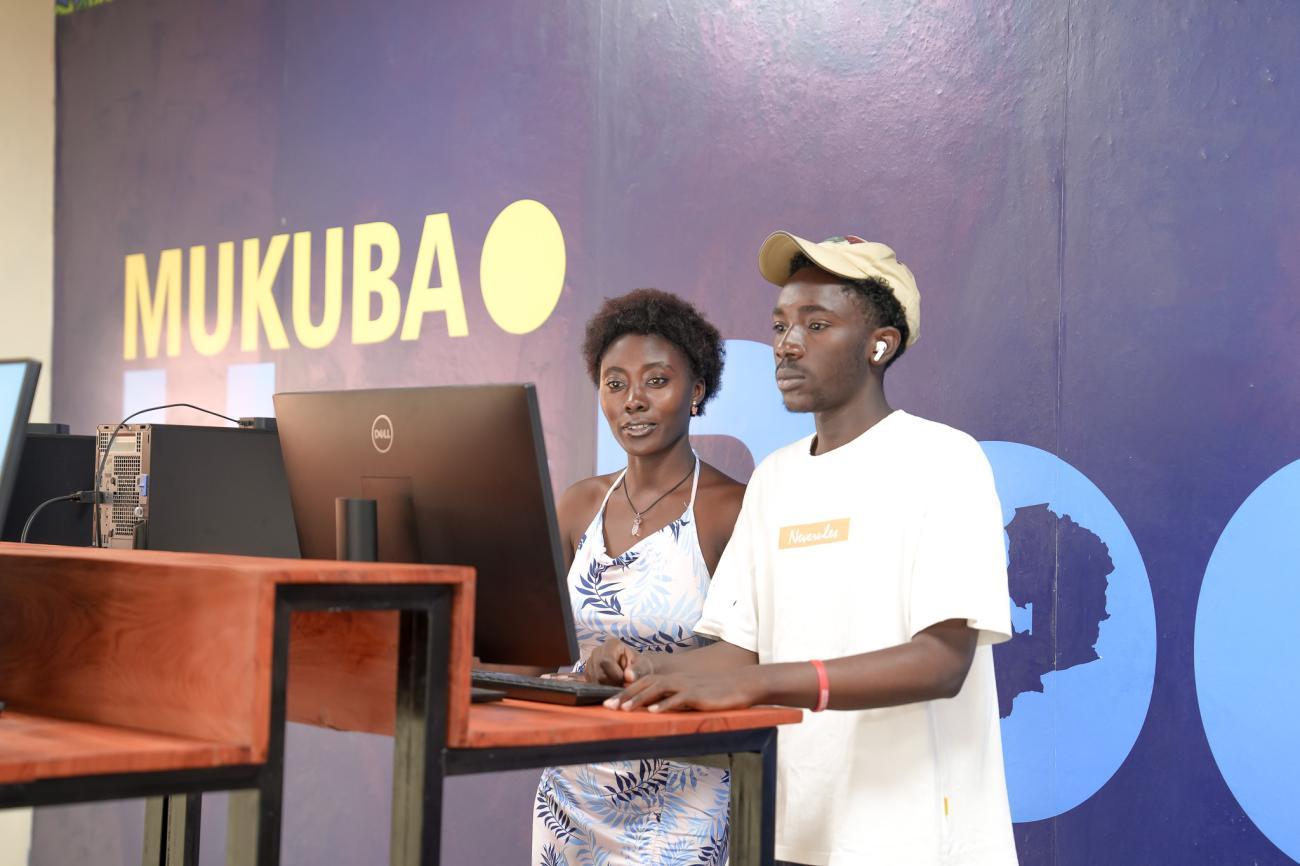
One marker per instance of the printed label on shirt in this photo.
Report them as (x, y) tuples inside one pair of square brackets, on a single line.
[(808, 534)]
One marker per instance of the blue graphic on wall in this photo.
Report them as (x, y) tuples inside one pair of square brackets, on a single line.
[(1074, 682), (748, 407), (1247, 657)]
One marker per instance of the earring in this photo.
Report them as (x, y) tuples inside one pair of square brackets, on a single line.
[(695, 408)]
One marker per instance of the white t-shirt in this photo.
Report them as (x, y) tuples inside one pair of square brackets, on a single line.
[(859, 549)]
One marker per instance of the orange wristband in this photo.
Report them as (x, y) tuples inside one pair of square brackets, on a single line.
[(823, 686)]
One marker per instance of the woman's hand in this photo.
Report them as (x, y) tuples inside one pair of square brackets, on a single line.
[(731, 690), (614, 663)]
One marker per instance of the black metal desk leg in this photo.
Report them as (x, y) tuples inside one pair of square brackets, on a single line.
[(171, 830), (753, 806), (253, 829), (421, 733), (155, 831)]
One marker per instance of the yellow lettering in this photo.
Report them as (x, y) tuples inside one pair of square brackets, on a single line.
[(311, 335), (211, 342), (258, 304), (379, 281), (435, 245), (147, 310)]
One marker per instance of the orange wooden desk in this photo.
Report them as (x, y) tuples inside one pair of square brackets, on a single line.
[(150, 674), (138, 673)]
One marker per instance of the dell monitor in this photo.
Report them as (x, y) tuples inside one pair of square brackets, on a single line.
[(17, 390), (459, 477)]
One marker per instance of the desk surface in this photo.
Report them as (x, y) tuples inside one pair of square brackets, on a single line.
[(41, 747), (264, 569), (511, 723)]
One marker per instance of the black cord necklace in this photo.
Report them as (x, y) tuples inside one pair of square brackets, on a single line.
[(636, 518)]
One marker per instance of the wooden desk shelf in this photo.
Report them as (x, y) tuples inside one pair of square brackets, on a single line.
[(33, 748)]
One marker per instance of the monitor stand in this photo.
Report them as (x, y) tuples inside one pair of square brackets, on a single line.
[(356, 530)]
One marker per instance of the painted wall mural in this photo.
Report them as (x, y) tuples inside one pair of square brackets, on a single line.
[(1101, 203)]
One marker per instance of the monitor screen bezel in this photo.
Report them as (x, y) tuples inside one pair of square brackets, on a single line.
[(12, 457)]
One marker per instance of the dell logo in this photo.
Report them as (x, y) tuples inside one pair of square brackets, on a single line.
[(381, 434)]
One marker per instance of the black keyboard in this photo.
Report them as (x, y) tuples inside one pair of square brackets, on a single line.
[(544, 689)]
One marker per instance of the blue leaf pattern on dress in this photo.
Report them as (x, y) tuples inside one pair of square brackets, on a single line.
[(676, 526), (551, 857), (635, 813), (595, 592), (553, 815)]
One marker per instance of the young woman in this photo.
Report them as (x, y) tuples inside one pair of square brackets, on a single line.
[(641, 544)]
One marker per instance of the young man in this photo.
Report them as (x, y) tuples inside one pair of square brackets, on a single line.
[(866, 575)]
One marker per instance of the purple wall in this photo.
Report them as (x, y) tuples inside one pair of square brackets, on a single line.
[(1101, 203)]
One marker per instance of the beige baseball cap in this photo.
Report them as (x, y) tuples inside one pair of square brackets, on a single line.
[(849, 256)]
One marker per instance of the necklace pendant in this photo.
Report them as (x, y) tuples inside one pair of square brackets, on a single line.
[(636, 525)]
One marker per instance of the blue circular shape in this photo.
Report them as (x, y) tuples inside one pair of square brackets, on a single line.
[(1247, 657), (1063, 743)]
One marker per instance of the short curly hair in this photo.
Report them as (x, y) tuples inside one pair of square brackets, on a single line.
[(876, 298), (662, 314)]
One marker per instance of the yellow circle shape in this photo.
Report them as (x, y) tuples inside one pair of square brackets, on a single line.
[(521, 271)]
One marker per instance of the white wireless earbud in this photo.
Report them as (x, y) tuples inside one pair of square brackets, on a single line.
[(881, 346)]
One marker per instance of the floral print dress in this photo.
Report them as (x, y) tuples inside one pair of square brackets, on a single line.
[(649, 812)]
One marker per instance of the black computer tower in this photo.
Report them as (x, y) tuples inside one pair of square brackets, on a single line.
[(197, 489)]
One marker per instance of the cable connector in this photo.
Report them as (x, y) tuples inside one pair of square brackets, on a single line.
[(84, 496), (259, 423)]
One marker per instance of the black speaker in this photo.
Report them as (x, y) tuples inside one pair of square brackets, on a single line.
[(53, 464)]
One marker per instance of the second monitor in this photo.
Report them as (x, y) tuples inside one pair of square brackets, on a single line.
[(459, 475)]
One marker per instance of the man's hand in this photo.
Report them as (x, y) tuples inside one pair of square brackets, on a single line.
[(931, 666), (659, 693), (614, 663)]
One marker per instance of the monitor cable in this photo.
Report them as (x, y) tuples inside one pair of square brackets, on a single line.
[(79, 496)]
